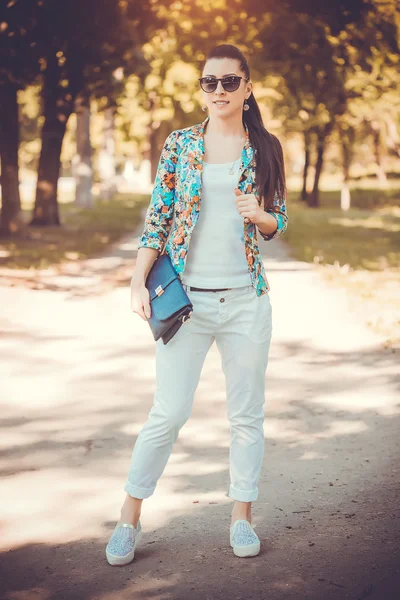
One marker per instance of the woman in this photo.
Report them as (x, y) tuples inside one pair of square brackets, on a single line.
[(233, 169)]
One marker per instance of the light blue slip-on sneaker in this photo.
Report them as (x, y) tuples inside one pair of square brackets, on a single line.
[(120, 549), (244, 539)]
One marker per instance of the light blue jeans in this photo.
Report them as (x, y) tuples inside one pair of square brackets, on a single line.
[(241, 324)]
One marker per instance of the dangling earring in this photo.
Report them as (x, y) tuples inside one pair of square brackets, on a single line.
[(246, 106), (204, 108)]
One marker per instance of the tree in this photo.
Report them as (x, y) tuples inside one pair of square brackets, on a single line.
[(73, 37), (83, 43), (82, 162), (317, 48), (19, 67)]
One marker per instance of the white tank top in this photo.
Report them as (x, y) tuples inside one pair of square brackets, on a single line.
[(216, 257)]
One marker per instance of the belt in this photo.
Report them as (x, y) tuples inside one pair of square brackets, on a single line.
[(196, 289)]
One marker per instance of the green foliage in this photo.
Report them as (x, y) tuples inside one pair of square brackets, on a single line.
[(84, 234), (360, 238), (313, 64)]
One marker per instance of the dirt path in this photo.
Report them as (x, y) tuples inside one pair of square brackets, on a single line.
[(77, 378)]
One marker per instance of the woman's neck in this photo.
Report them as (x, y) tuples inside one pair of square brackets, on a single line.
[(226, 127)]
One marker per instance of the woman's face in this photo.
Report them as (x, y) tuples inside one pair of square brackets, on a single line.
[(231, 102)]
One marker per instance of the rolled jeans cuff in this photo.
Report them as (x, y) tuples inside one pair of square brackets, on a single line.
[(243, 495), (138, 492)]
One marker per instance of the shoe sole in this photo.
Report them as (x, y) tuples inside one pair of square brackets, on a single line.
[(120, 561), (245, 551)]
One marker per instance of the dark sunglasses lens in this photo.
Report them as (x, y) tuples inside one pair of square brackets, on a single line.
[(231, 84), (208, 84)]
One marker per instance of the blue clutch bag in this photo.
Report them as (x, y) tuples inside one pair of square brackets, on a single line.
[(170, 304)]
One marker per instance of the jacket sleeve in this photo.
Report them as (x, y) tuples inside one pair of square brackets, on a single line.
[(159, 214), (281, 217)]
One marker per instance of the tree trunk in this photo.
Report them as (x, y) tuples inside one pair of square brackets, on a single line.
[(82, 162), (313, 200), (11, 221), (347, 155), (303, 195), (107, 156), (376, 133), (154, 153), (392, 135), (58, 106)]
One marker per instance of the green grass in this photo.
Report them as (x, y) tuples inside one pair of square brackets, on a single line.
[(365, 194), (360, 238), (84, 233), (358, 249)]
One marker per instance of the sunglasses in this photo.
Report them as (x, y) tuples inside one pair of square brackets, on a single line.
[(230, 83)]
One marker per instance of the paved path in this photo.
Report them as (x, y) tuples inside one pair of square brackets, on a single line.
[(77, 379)]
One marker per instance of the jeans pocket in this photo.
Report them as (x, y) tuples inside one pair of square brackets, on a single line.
[(261, 322)]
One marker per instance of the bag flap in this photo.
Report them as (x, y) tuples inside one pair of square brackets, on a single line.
[(161, 274), (171, 302)]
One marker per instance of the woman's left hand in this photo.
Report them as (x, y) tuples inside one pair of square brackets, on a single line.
[(248, 207)]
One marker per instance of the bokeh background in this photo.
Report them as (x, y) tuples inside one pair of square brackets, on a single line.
[(89, 91)]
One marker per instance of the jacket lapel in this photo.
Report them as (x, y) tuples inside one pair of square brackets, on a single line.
[(196, 151), (196, 144)]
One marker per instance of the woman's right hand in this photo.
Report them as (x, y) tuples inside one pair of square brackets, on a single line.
[(140, 299)]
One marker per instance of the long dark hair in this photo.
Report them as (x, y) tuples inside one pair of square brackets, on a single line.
[(270, 168)]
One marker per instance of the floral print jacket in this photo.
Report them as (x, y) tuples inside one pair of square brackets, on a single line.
[(176, 200)]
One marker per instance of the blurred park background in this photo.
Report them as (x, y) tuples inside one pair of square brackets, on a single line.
[(89, 91)]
